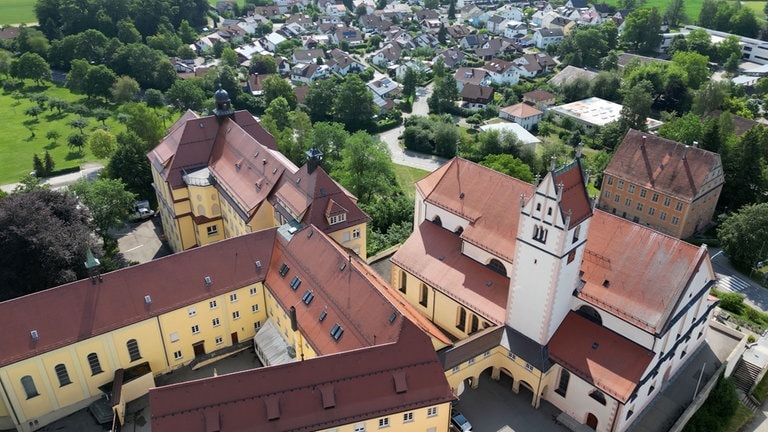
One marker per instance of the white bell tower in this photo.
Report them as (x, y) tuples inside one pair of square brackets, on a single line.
[(551, 237)]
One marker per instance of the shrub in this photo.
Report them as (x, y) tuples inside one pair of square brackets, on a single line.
[(731, 302)]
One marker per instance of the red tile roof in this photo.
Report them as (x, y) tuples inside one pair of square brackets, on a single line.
[(521, 110), (616, 264), (320, 393), (740, 124), (80, 310), (433, 254), (664, 165), (574, 201), (538, 96), (487, 198), (603, 358)]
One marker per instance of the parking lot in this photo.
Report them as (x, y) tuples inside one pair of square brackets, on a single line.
[(139, 242)]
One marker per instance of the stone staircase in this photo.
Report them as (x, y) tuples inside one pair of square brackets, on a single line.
[(745, 375)]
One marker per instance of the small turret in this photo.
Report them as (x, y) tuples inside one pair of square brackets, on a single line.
[(314, 159), (223, 103)]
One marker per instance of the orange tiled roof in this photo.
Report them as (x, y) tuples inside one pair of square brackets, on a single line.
[(605, 359), (616, 264), (521, 110), (663, 165)]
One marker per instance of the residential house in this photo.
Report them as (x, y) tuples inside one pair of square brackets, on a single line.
[(452, 57), (417, 65), (541, 99), (515, 30), (205, 43), (496, 47), (384, 91), (590, 17), (370, 5), (608, 340), (341, 63), (307, 73), (375, 24), (247, 51), (426, 40), (255, 83), (502, 72), (308, 55), (570, 73), (475, 96), (303, 20), (510, 12), (220, 176), (231, 33), (559, 22), (474, 15), (283, 66), (250, 24), (387, 56), (426, 14), (397, 11), (576, 4), (272, 40), (543, 37), (350, 35), (458, 31), (523, 114), (476, 76), (431, 25), (334, 9), (271, 12), (668, 186), (472, 41), (531, 65), (496, 24)]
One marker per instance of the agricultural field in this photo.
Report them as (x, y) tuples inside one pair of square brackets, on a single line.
[(17, 11)]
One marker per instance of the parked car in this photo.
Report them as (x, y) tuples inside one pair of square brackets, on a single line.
[(460, 422), (142, 213)]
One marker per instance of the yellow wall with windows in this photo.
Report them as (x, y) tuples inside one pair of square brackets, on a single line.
[(210, 232), (204, 201), (354, 238), (417, 420)]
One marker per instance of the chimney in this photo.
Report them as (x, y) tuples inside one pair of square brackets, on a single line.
[(685, 152), (314, 159), (695, 144), (559, 192), (552, 161), (292, 313), (643, 143)]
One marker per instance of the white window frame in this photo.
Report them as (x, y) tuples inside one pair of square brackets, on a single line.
[(178, 355), (195, 329), (212, 230), (233, 297), (216, 322), (236, 315), (219, 340), (255, 308)]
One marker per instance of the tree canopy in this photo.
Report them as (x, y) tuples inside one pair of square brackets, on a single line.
[(641, 30), (744, 235), (107, 200)]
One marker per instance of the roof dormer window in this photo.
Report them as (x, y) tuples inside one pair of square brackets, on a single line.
[(337, 218)]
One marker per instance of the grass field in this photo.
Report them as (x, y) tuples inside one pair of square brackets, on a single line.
[(756, 6), (17, 11), (407, 176), (691, 7)]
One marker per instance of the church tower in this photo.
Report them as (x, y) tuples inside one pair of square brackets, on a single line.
[(551, 237)]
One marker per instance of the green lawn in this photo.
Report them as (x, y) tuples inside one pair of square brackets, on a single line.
[(17, 11), (407, 176), (691, 7), (756, 6), (23, 136)]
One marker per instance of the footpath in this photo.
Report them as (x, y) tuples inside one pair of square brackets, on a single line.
[(87, 171)]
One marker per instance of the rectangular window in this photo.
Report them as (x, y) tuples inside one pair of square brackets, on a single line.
[(255, 308), (655, 197), (257, 325), (356, 233), (177, 355), (643, 193), (529, 367), (383, 422), (511, 355), (679, 206), (216, 322), (651, 211), (424, 295), (663, 216), (407, 417), (456, 369), (666, 201), (254, 290), (345, 237), (607, 194), (631, 188), (236, 315), (431, 411), (639, 206), (621, 184), (195, 329), (219, 340), (610, 180), (213, 304), (192, 311), (360, 427), (486, 354), (471, 361), (295, 282), (233, 297), (174, 337), (212, 230), (628, 202), (616, 198), (675, 220)]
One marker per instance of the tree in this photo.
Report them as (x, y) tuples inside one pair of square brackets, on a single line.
[(695, 67), (33, 111), (99, 81), (374, 41), (108, 203), (606, 85), (263, 64), (329, 138), (124, 89), (187, 34), (707, 13), (102, 143), (353, 105), (675, 13), (143, 122), (642, 30), (410, 79), (77, 141), (584, 47), (48, 164), (446, 138), (637, 105), (129, 164), (127, 32), (79, 123), (727, 48), (444, 95), (442, 34), (452, 10), (49, 236), (154, 98), (31, 66), (102, 115), (276, 116), (744, 235), (700, 41), (52, 135), (509, 165), (5, 62), (743, 165), (576, 89), (438, 69), (229, 57), (186, 95), (708, 98), (744, 23), (366, 167), (275, 87), (685, 129), (37, 165)]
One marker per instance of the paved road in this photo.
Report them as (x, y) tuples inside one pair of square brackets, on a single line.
[(407, 157), (734, 281), (87, 170)]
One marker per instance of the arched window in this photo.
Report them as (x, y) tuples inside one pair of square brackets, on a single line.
[(475, 324), (29, 386), (562, 385), (93, 362), (576, 234), (461, 318), (598, 396), (591, 314), (62, 374), (133, 350), (539, 233), (436, 220), (497, 266), (424, 295)]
